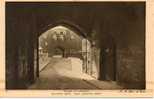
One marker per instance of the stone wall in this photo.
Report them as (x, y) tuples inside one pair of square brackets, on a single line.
[(131, 67)]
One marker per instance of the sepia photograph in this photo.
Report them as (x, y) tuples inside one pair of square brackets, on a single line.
[(66, 45), (76, 48)]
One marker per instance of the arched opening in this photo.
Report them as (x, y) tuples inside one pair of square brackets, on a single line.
[(66, 23), (59, 52), (67, 52)]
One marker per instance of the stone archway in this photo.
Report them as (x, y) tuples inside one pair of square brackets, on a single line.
[(105, 58), (66, 23), (58, 50)]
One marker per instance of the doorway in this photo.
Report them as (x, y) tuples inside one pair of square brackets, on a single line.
[(62, 43), (59, 52)]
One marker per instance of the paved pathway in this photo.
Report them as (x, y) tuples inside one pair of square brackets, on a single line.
[(58, 75)]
